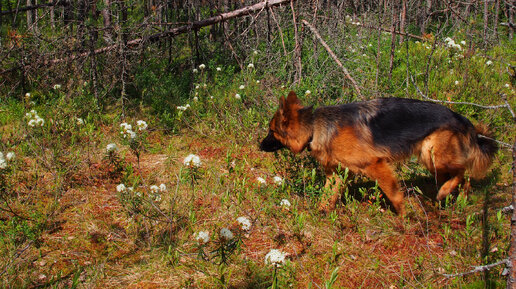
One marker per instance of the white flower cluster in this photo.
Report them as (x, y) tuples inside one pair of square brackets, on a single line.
[(202, 66), (111, 148), (244, 222), (489, 63), (157, 190), (127, 130), (192, 160), (79, 121), (202, 237), (8, 157), (183, 108), (261, 180), (34, 119), (451, 43), (275, 257), (278, 180), (226, 234), (57, 86), (250, 65), (285, 203), (237, 96), (308, 92), (142, 125)]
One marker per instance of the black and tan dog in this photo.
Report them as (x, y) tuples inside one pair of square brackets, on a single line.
[(367, 137)]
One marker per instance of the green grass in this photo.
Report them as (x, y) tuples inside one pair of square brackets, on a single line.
[(66, 225)]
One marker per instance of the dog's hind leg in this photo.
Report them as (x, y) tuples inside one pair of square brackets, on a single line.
[(456, 178), (381, 171), (442, 154)]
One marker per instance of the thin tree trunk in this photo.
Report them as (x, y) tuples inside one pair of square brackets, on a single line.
[(511, 279), (486, 22), (403, 19), (29, 15), (495, 24), (393, 37), (297, 49)]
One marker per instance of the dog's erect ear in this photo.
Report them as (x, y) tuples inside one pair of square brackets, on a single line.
[(292, 99), (282, 102)]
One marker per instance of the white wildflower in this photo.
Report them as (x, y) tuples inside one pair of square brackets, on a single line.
[(183, 108), (39, 121), (250, 65), (57, 86), (27, 95), (204, 85), (10, 156), (275, 257), (261, 180), (121, 188), (456, 82), (278, 180), (154, 188), (111, 147), (202, 237), (192, 161), (463, 42), (285, 203), (3, 163), (257, 82), (218, 69), (157, 198), (195, 99), (226, 234), (237, 96), (79, 121), (195, 70), (141, 124), (162, 187), (32, 123), (255, 52), (308, 92), (507, 85), (241, 87), (197, 86), (244, 222), (489, 62), (202, 66)]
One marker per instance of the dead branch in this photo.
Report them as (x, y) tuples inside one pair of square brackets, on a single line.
[(34, 7), (346, 73), (176, 31), (477, 269)]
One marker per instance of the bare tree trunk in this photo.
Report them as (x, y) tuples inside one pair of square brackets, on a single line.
[(403, 19), (486, 22), (29, 15), (106, 17), (297, 49), (495, 24), (510, 11), (393, 36), (511, 279), (52, 14)]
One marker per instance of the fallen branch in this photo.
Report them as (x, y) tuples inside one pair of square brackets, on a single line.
[(346, 73), (477, 269), (34, 7), (176, 31)]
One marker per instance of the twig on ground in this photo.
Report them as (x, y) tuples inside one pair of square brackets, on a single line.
[(477, 269)]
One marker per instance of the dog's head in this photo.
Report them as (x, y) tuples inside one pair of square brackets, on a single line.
[(290, 127)]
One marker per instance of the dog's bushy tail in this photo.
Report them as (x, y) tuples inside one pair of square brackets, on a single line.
[(482, 151)]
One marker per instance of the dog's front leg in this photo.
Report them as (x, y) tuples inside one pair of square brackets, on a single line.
[(331, 193)]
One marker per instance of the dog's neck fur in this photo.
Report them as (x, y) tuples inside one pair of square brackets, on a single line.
[(306, 122)]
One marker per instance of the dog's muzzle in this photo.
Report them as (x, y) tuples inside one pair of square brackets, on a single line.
[(270, 143)]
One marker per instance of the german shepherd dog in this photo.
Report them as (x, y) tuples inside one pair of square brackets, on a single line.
[(367, 137)]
